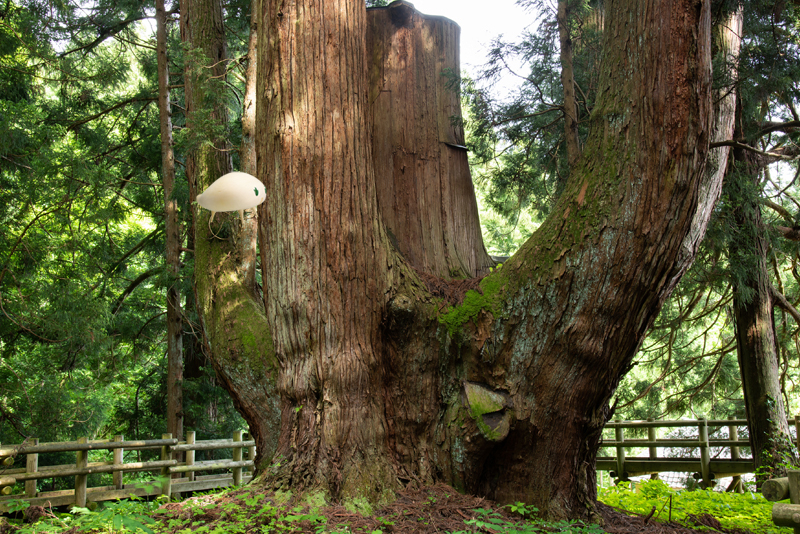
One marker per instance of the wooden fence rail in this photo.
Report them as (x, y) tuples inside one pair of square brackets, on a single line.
[(238, 470), (705, 468)]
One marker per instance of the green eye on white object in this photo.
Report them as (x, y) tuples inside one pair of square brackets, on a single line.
[(231, 192)]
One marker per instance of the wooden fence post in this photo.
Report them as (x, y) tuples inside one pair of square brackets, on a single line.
[(251, 455), (166, 479), (190, 437), (652, 449), (733, 435), (31, 466), (619, 435), (117, 474), (705, 458), (81, 462), (237, 457)]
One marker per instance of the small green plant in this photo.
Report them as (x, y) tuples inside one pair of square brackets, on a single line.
[(747, 511), (522, 509), (17, 505), (316, 500), (487, 520)]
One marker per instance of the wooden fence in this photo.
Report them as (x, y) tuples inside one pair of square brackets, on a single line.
[(726, 460), (706, 467), (173, 476)]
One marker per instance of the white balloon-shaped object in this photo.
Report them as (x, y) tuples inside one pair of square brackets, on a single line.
[(234, 191)]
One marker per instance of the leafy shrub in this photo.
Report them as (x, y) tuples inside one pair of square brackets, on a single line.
[(750, 511)]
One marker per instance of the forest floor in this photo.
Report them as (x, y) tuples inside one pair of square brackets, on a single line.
[(432, 509), (441, 509)]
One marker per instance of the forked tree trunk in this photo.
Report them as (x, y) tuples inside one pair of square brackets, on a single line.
[(235, 328), (381, 383)]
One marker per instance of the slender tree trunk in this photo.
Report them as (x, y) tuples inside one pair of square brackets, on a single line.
[(248, 150), (173, 240), (232, 313), (770, 439), (757, 349), (568, 83)]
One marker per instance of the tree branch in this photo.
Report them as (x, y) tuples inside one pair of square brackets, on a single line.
[(743, 146), (792, 234), (133, 285), (136, 248), (783, 212), (74, 125), (105, 34), (784, 304), (778, 127)]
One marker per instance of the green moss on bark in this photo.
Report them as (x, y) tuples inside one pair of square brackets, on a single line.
[(490, 299)]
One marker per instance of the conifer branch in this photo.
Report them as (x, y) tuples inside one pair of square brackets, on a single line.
[(74, 125), (783, 212), (784, 304)]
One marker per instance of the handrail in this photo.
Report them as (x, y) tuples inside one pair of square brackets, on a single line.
[(704, 468), (94, 445), (168, 466)]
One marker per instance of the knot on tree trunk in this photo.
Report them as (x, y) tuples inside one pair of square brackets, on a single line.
[(400, 313), (489, 409)]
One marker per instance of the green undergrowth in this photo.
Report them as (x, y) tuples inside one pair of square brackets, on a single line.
[(242, 511), (250, 511), (748, 511)]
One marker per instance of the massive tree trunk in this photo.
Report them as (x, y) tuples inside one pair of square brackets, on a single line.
[(173, 240), (235, 328), (387, 377)]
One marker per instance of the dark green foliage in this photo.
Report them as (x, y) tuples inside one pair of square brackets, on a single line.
[(518, 142), (82, 278)]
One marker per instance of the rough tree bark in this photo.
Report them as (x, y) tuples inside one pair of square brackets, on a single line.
[(385, 379), (232, 313), (172, 233), (422, 173), (756, 345), (568, 83), (248, 150)]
